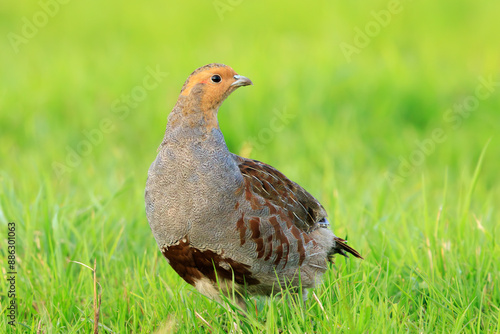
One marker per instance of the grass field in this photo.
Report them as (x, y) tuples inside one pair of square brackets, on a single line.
[(388, 112)]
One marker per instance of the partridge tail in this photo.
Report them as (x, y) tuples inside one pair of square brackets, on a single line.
[(341, 248)]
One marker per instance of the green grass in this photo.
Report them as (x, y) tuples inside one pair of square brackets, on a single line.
[(428, 231)]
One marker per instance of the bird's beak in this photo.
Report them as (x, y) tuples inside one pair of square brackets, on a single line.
[(241, 81)]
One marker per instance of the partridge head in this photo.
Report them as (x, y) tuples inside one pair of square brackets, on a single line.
[(226, 222)]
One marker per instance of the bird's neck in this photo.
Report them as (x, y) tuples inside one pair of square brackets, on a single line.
[(190, 112), (188, 123)]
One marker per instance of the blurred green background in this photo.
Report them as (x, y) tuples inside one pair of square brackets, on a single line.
[(352, 135)]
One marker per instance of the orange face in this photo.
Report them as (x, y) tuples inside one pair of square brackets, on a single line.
[(215, 82)]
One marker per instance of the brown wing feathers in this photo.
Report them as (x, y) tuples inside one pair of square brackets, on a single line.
[(304, 210)]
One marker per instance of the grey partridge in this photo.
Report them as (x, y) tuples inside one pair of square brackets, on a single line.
[(227, 222)]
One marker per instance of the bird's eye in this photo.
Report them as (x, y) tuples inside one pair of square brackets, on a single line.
[(216, 78)]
